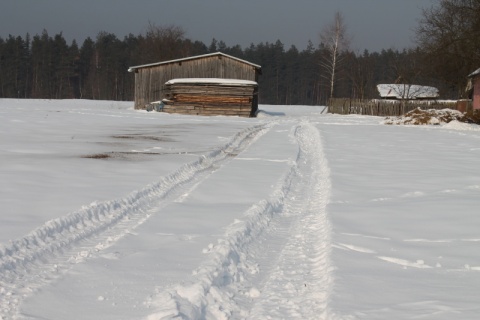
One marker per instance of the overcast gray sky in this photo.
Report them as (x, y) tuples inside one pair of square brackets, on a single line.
[(373, 24)]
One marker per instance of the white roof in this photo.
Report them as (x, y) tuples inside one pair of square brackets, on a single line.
[(132, 69), (406, 91), (474, 73), (216, 81)]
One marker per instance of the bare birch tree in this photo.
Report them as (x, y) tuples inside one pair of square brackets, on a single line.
[(335, 40)]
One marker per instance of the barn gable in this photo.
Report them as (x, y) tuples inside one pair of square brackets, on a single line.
[(151, 78)]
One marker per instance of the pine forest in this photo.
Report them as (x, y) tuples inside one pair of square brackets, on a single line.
[(48, 67)]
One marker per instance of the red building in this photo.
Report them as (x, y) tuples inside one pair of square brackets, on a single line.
[(475, 85)]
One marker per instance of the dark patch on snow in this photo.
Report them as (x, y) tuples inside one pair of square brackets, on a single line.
[(97, 156), (121, 155), (141, 137), (131, 155)]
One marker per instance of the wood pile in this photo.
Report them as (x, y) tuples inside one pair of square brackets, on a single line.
[(211, 97)]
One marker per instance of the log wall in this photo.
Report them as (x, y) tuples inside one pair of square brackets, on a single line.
[(210, 99)]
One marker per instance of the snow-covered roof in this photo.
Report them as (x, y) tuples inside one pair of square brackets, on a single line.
[(216, 81), (474, 73), (132, 69), (407, 91)]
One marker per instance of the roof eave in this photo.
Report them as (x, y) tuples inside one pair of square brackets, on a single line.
[(134, 68), (474, 73)]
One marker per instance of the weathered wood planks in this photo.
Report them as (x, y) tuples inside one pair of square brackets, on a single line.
[(383, 107), (211, 97)]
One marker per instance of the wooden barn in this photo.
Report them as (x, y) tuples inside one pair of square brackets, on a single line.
[(150, 79)]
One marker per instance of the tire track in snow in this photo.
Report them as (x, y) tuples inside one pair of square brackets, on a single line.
[(299, 284), (36, 259), (284, 241)]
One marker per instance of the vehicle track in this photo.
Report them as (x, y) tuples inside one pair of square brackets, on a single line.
[(276, 263), (38, 258), (299, 281)]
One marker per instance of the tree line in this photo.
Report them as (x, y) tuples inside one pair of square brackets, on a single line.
[(46, 66)]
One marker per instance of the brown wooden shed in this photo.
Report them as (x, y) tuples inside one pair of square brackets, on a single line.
[(151, 78)]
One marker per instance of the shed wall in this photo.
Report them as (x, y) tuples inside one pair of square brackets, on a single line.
[(149, 81), (476, 93)]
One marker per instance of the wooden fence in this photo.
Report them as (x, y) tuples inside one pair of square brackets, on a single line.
[(384, 108)]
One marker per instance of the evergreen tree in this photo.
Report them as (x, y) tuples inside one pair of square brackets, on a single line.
[(46, 67), (14, 67), (213, 46), (87, 54)]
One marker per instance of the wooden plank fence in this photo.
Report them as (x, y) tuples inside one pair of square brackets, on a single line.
[(384, 108)]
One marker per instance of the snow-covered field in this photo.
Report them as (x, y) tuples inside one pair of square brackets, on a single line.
[(111, 213)]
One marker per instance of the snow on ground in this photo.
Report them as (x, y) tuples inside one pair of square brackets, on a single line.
[(112, 213)]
